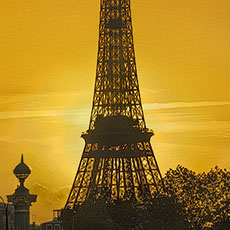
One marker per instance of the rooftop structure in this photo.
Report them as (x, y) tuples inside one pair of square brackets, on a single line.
[(22, 199)]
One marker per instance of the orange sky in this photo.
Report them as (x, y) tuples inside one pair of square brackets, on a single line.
[(48, 53)]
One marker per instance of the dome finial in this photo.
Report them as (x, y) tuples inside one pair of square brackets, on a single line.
[(22, 171)]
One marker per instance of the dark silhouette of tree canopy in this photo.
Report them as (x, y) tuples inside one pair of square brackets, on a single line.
[(222, 225), (205, 196), (165, 213), (159, 213), (188, 201)]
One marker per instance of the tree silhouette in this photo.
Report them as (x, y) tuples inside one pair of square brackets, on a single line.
[(165, 213), (187, 201), (205, 196)]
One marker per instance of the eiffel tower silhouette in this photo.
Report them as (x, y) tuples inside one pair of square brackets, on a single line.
[(117, 157)]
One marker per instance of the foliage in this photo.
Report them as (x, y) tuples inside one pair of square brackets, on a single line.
[(91, 215), (128, 214), (187, 201), (205, 196), (164, 212), (101, 215), (223, 225)]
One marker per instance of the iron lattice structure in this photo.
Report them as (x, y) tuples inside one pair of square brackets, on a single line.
[(117, 156)]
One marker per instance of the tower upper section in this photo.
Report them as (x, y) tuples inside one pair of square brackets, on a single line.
[(116, 87)]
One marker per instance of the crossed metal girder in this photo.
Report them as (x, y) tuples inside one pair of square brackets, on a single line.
[(122, 177), (116, 86)]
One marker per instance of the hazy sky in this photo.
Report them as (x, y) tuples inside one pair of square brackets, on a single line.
[(48, 51)]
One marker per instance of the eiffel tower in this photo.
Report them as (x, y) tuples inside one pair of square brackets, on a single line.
[(117, 156)]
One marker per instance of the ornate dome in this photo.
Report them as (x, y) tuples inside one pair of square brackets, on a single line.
[(22, 171)]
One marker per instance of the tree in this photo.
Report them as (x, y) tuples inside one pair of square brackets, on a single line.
[(165, 213), (223, 225), (205, 196), (187, 201), (92, 215)]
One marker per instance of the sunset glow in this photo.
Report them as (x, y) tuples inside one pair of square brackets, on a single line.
[(48, 52)]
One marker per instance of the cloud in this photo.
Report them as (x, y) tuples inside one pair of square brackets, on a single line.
[(54, 105), (42, 113), (52, 196), (156, 91), (26, 106), (175, 105)]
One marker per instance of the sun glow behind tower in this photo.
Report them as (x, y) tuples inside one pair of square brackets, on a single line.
[(48, 58)]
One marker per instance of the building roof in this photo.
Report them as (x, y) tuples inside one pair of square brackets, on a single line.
[(55, 221)]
